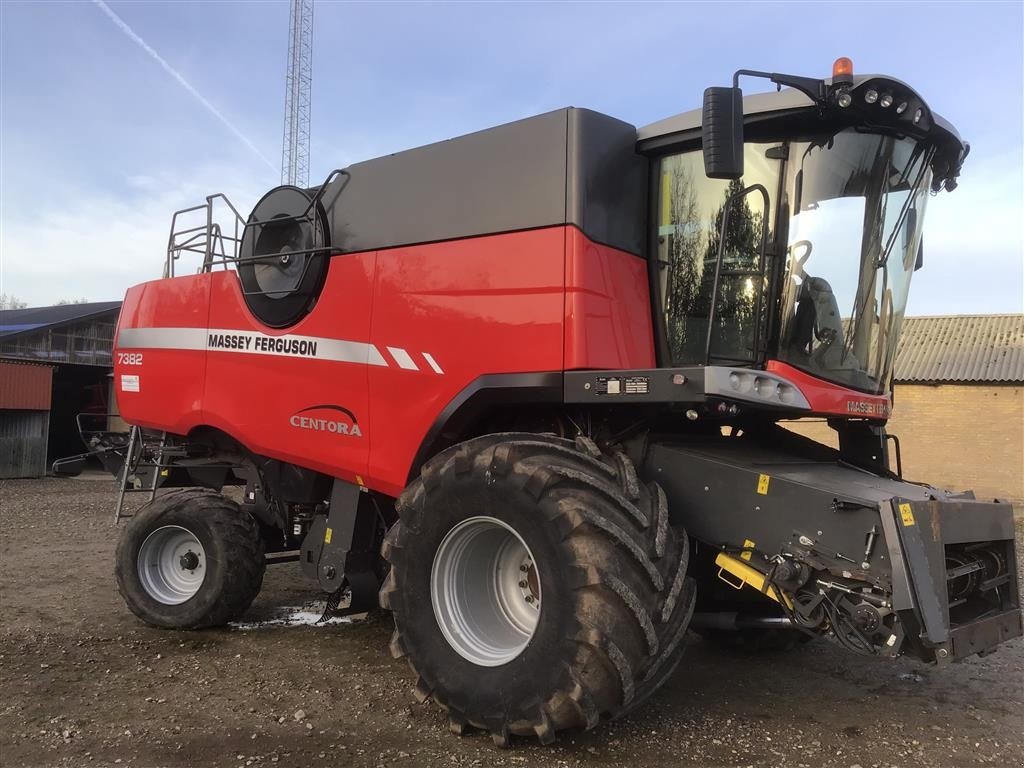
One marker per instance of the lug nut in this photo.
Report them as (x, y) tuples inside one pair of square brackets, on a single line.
[(529, 599), (523, 585)]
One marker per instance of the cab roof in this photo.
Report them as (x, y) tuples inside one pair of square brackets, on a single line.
[(763, 103)]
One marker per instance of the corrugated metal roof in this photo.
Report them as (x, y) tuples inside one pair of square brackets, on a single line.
[(14, 321), (961, 348)]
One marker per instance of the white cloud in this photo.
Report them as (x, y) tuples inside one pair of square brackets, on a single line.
[(96, 246)]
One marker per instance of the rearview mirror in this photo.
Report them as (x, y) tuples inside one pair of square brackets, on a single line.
[(722, 133)]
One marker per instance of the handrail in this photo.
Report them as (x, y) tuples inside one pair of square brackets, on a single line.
[(217, 248)]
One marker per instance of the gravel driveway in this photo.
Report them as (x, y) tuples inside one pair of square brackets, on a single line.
[(82, 683)]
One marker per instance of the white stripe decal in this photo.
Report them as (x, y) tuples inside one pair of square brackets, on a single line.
[(432, 362), (251, 342), (403, 359), (162, 338)]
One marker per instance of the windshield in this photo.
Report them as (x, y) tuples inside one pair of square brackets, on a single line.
[(857, 203)]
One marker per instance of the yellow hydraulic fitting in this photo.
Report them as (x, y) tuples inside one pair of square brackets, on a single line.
[(748, 575)]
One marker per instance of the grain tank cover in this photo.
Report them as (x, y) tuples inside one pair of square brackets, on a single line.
[(570, 166)]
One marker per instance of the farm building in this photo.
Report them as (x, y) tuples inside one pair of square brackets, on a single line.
[(55, 363)]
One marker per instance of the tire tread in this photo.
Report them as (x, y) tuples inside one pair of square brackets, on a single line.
[(601, 510)]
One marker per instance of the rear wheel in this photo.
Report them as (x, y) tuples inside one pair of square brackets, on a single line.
[(190, 559), (536, 585)]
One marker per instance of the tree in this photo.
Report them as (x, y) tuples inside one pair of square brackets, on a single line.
[(737, 295), (743, 238), (9, 301), (686, 262), (62, 302)]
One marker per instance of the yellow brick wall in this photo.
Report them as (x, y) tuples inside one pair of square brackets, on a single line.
[(957, 436)]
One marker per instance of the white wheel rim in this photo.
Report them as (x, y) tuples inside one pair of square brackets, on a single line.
[(485, 590), (171, 565)]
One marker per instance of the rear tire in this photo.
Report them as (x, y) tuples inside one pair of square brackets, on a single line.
[(593, 545), (190, 559)]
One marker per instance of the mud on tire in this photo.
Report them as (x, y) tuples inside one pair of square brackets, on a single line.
[(232, 556), (615, 601)]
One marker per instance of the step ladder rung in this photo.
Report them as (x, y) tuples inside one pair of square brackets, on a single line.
[(135, 438)]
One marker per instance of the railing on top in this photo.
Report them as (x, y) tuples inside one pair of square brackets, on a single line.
[(218, 248), (207, 239)]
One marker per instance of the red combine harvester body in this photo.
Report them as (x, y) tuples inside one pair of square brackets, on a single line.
[(396, 336), (527, 388)]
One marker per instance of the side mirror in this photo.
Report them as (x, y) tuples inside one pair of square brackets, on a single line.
[(722, 133)]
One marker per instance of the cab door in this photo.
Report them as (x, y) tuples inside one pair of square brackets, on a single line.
[(714, 257)]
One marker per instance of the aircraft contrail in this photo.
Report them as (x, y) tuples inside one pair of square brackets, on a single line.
[(184, 83)]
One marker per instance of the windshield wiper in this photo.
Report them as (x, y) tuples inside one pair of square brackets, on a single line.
[(883, 258)]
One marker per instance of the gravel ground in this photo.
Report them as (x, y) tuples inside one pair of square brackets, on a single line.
[(82, 683)]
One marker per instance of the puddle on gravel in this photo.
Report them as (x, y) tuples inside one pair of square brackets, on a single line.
[(290, 616)]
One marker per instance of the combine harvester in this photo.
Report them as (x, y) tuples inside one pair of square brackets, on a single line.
[(525, 389)]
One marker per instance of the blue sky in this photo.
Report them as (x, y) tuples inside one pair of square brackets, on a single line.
[(100, 144)]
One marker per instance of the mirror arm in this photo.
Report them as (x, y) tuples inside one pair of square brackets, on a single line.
[(814, 88)]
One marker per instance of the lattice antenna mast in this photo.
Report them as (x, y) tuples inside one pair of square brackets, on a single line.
[(298, 81)]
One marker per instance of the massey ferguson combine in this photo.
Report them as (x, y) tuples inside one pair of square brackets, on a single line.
[(526, 389)]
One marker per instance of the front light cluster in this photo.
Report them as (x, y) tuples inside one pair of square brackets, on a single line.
[(753, 386), (884, 101), (883, 98), (762, 387)]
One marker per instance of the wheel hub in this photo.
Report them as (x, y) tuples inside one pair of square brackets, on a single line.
[(189, 561), (171, 564), (486, 592)]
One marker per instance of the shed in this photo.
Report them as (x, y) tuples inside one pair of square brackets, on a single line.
[(74, 344), (24, 418)]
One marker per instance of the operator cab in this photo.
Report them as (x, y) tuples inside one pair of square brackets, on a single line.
[(787, 225)]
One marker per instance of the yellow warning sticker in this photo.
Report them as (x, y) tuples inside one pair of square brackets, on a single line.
[(327, 536), (748, 547), (762, 484), (907, 514)]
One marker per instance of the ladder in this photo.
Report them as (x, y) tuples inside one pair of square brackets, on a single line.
[(129, 480)]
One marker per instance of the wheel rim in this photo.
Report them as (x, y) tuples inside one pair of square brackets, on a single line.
[(172, 565), (485, 588)]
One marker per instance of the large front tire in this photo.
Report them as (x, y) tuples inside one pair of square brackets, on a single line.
[(495, 527), (190, 559)]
